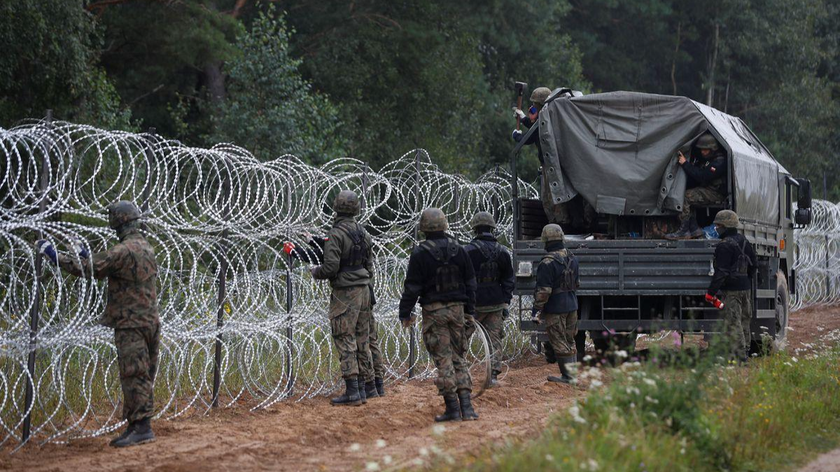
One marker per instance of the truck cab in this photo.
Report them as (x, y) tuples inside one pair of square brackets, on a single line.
[(617, 154)]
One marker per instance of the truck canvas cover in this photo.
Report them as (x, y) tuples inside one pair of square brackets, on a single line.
[(618, 151)]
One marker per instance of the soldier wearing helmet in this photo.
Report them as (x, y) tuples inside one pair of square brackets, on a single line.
[(538, 98), (441, 275), (348, 265), (555, 299), (706, 183), (735, 265), (132, 311), (495, 283)]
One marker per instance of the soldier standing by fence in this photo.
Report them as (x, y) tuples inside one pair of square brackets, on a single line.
[(132, 311), (441, 275)]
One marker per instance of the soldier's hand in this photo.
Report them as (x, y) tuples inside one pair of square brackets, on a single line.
[(313, 270), (518, 113), (516, 135), (307, 236), (46, 249), (407, 322), (682, 158), (80, 249)]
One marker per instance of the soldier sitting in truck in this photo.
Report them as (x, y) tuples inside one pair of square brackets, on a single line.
[(706, 172)]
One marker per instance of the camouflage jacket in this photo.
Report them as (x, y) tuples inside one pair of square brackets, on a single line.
[(337, 251), (132, 276), (558, 278)]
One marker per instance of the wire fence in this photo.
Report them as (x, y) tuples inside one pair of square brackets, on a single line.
[(240, 321)]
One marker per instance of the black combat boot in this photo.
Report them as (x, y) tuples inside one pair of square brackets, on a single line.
[(453, 412), (370, 389), (549, 353), (362, 395), (695, 231), (351, 395), (122, 435), (380, 386), (566, 377), (141, 434), (467, 412), (683, 233)]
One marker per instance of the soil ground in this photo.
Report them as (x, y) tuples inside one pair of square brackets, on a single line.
[(393, 431)]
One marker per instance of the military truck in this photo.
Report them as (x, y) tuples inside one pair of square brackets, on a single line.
[(615, 156)]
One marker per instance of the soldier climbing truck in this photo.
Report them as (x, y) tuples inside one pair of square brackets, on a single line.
[(610, 176)]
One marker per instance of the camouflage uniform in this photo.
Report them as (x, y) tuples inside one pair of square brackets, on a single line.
[(737, 316), (494, 322), (349, 315), (132, 311), (561, 328), (445, 339), (373, 344)]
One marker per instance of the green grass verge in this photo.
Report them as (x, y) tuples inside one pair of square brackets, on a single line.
[(774, 414)]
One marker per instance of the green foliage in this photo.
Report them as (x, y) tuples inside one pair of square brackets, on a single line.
[(270, 109), (49, 61)]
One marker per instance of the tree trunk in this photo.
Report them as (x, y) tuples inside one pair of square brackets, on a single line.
[(215, 82), (674, 61), (710, 92)]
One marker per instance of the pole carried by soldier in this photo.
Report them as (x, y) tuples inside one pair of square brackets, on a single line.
[(441, 275), (348, 265), (555, 300), (495, 283), (132, 311), (735, 265)]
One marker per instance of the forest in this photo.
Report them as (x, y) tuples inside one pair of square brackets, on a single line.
[(373, 79)]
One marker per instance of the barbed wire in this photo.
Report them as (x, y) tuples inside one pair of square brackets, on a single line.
[(215, 214)]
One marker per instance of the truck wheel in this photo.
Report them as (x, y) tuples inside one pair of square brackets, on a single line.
[(782, 310), (620, 341)]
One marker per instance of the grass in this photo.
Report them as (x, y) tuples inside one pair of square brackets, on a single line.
[(774, 414)]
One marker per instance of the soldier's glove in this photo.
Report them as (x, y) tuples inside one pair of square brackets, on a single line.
[(80, 249), (518, 113), (505, 313), (313, 270), (407, 322), (516, 135), (47, 249)]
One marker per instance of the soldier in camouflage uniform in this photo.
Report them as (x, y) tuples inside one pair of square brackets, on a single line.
[(441, 275), (735, 266), (555, 300), (706, 173), (132, 311), (495, 283), (348, 265)]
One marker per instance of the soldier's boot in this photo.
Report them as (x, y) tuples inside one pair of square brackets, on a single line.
[(683, 233), (380, 386), (467, 412), (494, 381), (453, 410), (695, 231), (141, 434), (362, 396), (370, 389), (549, 353), (351, 394), (565, 376), (122, 435)]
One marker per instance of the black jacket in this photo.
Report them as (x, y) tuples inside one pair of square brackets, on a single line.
[(727, 252), (706, 173), (422, 275), (499, 283), (551, 279)]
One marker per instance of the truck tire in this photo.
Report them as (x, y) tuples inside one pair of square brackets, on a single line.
[(619, 341), (766, 345)]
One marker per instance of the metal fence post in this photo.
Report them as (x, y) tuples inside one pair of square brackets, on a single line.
[(290, 371), (412, 333), (222, 286), (35, 312)]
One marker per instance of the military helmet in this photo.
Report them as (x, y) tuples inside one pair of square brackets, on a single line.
[(727, 219), (482, 218), (552, 232), (707, 141), (433, 219), (540, 94), (346, 202), (122, 212)]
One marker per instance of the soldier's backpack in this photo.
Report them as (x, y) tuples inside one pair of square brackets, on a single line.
[(448, 274), (742, 265), (357, 256), (488, 272), (567, 282)]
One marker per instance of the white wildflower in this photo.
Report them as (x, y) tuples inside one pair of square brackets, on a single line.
[(593, 465), (355, 447), (682, 451), (588, 358), (423, 451), (596, 383), (372, 466), (438, 429), (574, 410), (651, 400), (650, 382), (380, 443), (622, 354), (387, 460), (436, 449), (549, 458), (794, 359)]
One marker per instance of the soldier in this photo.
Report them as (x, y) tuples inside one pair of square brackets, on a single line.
[(706, 172), (538, 98), (555, 300), (735, 266), (441, 275), (348, 265), (132, 311), (495, 282)]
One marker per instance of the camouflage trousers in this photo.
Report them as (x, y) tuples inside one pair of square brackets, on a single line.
[(699, 196), (737, 317), (561, 329), (375, 353), (445, 338), (350, 315), (494, 323), (137, 353)]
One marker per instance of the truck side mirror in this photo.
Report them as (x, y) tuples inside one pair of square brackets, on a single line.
[(804, 200), (802, 216)]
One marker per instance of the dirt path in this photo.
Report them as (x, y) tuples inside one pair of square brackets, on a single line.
[(391, 431)]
